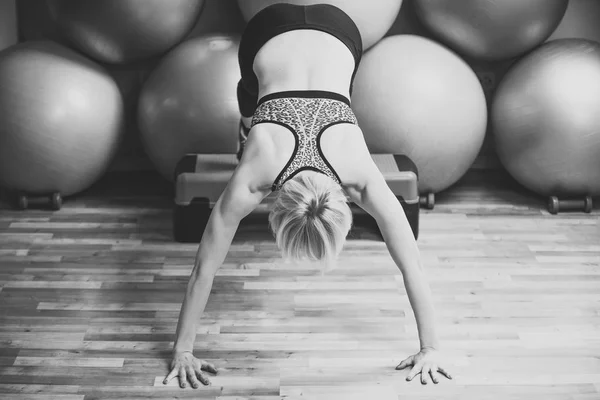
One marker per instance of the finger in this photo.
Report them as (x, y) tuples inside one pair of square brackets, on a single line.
[(405, 363), (205, 381), (443, 372), (171, 375), (414, 372), (182, 378), (209, 367), (191, 374), (435, 377), (425, 374)]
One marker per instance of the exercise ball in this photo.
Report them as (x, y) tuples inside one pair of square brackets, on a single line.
[(189, 102), (491, 29), (413, 96), (546, 119), (120, 31), (60, 119), (373, 19)]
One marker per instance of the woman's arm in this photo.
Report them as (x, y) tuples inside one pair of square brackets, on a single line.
[(237, 200), (370, 191), (376, 198)]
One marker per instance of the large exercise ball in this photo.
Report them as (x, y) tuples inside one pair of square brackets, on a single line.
[(189, 102), (491, 29), (546, 119), (413, 96), (373, 19), (60, 119), (119, 31)]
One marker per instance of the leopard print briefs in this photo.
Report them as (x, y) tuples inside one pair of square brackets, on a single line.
[(307, 118)]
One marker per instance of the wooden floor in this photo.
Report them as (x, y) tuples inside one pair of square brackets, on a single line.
[(89, 299)]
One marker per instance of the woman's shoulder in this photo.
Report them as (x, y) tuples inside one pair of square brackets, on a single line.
[(347, 152), (265, 154)]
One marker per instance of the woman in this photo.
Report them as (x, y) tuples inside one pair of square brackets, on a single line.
[(298, 64)]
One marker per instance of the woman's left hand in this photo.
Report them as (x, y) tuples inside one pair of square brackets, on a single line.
[(427, 363)]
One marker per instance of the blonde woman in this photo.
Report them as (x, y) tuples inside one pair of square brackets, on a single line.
[(298, 64)]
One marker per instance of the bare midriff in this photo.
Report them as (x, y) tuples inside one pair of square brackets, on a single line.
[(304, 60)]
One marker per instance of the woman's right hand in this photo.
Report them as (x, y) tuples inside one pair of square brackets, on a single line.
[(187, 367)]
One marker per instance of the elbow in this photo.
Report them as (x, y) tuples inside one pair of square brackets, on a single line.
[(200, 279), (413, 268)]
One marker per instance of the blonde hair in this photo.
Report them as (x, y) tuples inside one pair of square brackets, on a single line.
[(311, 218)]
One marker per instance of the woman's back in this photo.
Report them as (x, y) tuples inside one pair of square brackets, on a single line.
[(304, 60)]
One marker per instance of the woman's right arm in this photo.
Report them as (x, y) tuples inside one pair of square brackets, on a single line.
[(237, 200), (218, 235)]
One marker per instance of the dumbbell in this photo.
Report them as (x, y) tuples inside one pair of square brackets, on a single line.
[(427, 201), (22, 200), (555, 205)]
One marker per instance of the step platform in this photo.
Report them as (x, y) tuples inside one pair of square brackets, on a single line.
[(201, 178)]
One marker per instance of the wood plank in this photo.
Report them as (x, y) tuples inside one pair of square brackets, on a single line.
[(70, 225), (23, 389), (52, 284), (79, 362), (36, 396)]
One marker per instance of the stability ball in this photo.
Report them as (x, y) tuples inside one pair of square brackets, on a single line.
[(491, 29), (413, 96), (373, 19), (189, 102), (60, 119), (121, 31), (546, 119)]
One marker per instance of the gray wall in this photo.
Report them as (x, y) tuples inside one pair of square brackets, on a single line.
[(8, 23)]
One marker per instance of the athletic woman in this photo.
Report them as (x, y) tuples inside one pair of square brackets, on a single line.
[(298, 64)]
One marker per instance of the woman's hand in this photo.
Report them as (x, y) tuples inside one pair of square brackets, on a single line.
[(427, 363), (187, 367)]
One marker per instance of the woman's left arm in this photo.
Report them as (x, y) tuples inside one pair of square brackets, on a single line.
[(376, 198)]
